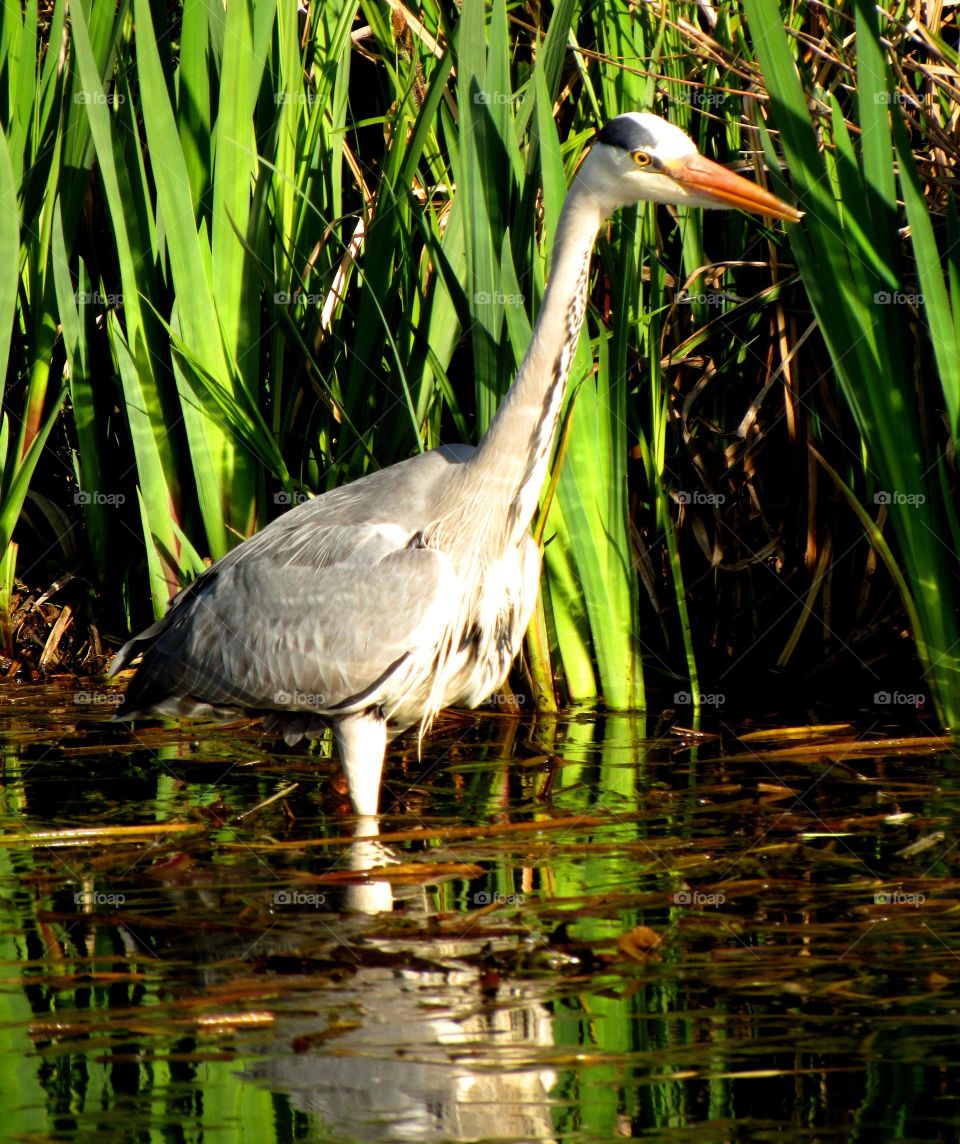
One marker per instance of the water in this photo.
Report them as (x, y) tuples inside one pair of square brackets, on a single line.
[(570, 932)]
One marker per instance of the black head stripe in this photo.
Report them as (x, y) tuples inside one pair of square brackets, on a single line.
[(625, 132)]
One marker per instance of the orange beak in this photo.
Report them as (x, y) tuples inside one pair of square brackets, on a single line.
[(715, 182)]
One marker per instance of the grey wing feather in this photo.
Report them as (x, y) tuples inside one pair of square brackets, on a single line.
[(324, 604), (267, 638)]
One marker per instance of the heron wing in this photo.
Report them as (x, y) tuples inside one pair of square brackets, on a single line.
[(331, 627)]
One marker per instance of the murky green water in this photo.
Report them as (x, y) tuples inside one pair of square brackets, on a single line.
[(570, 933)]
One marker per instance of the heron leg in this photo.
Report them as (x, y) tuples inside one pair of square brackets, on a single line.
[(362, 741), (368, 897)]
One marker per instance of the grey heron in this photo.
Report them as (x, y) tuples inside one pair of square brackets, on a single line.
[(373, 606)]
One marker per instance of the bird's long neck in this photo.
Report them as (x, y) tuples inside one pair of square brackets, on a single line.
[(515, 451)]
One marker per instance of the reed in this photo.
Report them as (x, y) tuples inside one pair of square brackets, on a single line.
[(256, 254)]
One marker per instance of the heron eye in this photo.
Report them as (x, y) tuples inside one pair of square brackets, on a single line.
[(641, 158)]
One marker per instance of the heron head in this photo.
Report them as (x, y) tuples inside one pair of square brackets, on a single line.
[(639, 157)]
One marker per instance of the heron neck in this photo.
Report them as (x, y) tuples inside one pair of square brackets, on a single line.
[(515, 451)]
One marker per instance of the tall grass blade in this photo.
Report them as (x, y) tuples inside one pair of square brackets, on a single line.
[(9, 256), (845, 258)]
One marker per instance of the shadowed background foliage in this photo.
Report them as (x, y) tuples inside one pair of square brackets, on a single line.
[(248, 253)]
